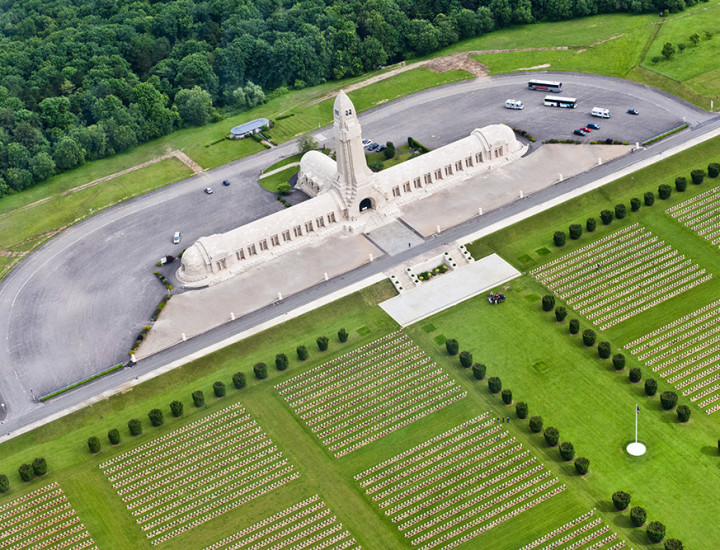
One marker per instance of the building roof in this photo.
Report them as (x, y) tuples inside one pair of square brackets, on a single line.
[(249, 126)]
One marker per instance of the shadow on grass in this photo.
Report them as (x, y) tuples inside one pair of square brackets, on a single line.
[(710, 451)]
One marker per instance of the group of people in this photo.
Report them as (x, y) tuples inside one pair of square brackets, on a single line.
[(496, 298)]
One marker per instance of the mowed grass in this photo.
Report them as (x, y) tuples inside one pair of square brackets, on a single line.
[(271, 182)]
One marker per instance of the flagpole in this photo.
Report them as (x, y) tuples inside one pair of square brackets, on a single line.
[(636, 415)]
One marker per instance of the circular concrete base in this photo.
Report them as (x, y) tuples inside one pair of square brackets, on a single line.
[(636, 449)]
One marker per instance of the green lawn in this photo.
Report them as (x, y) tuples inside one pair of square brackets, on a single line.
[(271, 182), (283, 162)]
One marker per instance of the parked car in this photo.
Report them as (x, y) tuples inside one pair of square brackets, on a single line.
[(586, 129), (579, 133), (226, 182), (380, 148), (373, 147), (633, 112), (593, 126), (176, 237), (366, 142), (208, 190)]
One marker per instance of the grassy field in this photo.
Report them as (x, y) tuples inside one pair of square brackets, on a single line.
[(271, 182)]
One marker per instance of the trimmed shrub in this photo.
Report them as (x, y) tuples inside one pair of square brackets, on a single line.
[(618, 361), (94, 445), (551, 436), (589, 337), (621, 500), (176, 408), (134, 426), (635, 204), (39, 467), (655, 531), (114, 436), (494, 384), (604, 350), (606, 216), (567, 451), (260, 370), (620, 211), (574, 326), (697, 176), (680, 183), (668, 400), (343, 335), (479, 371), (239, 380), (281, 361), (322, 343), (673, 544), (466, 359), (590, 225), (548, 302), (638, 516), (664, 191), (536, 424), (683, 412), (559, 238), (452, 346), (156, 417), (635, 375), (649, 198), (713, 169), (560, 314), (219, 388), (26, 472), (521, 409), (575, 231), (507, 396), (650, 387), (302, 353), (4, 483), (198, 398), (582, 465)]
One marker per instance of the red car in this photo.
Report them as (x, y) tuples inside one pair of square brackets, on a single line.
[(586, 129)]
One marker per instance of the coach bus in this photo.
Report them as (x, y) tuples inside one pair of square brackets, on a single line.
[(545, 86), (565, 102)]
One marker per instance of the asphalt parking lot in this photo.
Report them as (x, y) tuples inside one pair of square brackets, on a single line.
[(74, 307)]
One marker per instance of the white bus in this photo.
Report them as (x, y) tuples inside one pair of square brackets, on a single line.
[(565, 102), (545, 86)]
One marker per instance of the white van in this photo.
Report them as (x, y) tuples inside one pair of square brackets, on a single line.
[(600, 112), (514, 104)]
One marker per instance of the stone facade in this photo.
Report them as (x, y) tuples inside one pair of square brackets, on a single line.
[(344, 193)]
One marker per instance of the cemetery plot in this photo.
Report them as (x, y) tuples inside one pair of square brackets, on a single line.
[(369, 393), (686, 353), (42, 519), (620, 275), (309, 523), (588, 532), (700, 214), (458, 484), (193, 474)]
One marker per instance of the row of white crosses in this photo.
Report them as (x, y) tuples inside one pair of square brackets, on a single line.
[(700, 214), (42, 518), (283, 530), (464, 477)]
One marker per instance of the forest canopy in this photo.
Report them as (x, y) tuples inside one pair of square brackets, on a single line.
[(85, 79)]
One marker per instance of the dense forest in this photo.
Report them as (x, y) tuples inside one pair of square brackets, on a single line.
[(84, 79)]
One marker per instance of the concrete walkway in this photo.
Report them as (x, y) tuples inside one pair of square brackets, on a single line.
[(283, 167), (449, 289)]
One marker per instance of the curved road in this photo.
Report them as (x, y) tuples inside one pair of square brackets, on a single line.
[(74, 306)]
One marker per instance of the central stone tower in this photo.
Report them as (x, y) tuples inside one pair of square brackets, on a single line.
[(354, 180)]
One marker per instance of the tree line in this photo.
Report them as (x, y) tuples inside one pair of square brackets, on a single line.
[(85, 79)]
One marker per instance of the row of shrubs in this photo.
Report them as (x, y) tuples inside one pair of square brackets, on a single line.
[(164, 280), (668, 399), (606, 216), (27, 472), (552, 435), (239, 381), (638, 516)]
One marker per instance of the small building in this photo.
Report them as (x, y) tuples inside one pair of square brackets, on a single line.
[(249, 128)]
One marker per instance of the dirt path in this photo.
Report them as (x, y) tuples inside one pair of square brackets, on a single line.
[(452, 62), (182, 157)]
